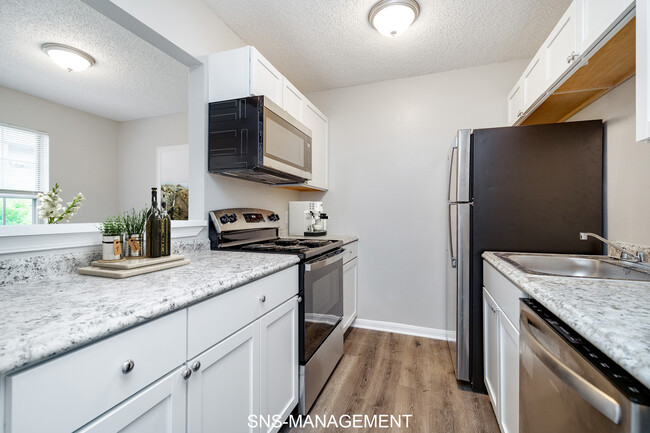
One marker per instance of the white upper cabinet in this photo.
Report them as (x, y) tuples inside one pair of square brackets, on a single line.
[(317, 122), (240, 73), (596, 17), (293, 102), (515, 103), (642, 72), (561, 47), (534, 79), (265, 79)]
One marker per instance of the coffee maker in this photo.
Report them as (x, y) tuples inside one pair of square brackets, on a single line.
[(306, 218)]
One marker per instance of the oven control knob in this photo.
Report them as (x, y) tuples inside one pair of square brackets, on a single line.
[(224, 219), (232, 218), (275, 216)]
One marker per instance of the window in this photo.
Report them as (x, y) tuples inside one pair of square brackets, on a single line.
[(24, 161)]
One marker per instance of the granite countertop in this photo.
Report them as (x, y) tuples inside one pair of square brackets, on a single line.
[(613, 315), (44, 318)]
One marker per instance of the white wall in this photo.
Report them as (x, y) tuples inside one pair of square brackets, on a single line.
[(83, 150), (137, 144), (388, 180), (627, 165), (193, 27)]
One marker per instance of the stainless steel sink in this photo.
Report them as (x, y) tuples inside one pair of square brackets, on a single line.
[(578, 266)]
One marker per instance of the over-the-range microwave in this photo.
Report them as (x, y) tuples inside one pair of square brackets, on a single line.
[(254, 139)]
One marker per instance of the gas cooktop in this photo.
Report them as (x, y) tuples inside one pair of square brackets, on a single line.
[(304, 247)]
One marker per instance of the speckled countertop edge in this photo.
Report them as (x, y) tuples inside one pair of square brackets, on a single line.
[(45, 318), (613, 315)]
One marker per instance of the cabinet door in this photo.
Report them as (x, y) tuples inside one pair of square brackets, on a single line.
[(509, 376), (317, 122), (534, 79), (491, 349), (515, 103), (561, 46), (350, 285), (265, 79), (279, 364), (293, 101), (642, 71), (595, 17), (224, 391), (160, 408)]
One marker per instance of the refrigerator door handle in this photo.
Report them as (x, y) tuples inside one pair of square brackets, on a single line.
[(452, 255), (464, 140), (452, 152)]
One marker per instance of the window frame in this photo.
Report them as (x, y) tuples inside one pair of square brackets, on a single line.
[(42, 167)]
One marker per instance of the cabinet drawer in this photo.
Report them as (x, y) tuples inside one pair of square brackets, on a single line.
[(215, 319), (351, 251), (63, 394), (504, 292)]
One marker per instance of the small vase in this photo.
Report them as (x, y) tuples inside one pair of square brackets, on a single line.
[(134, 246), (112, 247)]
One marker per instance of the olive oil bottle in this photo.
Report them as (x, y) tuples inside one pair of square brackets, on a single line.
[(165, 232)]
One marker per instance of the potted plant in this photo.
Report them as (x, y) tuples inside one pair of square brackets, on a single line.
[(112, 229), (134, 226)]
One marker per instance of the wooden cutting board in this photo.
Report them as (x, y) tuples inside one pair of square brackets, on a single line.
[(136, 263), (97, 271)]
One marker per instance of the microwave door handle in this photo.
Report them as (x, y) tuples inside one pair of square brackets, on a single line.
[(318, 264), (454, 259), (452, 152), (591, 394)]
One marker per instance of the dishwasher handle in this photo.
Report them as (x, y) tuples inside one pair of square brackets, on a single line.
[(604, 403)]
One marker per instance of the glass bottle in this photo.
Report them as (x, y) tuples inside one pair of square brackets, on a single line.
[(154, 227), (165, 231)]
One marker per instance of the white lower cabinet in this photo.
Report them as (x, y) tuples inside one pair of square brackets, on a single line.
[(225, 389), (160, 408), (501, 347), (350, 284), (491, 348), (252, 373), (279, 363)]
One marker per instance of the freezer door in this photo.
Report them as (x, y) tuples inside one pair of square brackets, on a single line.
[(452, 282), (458, 306)]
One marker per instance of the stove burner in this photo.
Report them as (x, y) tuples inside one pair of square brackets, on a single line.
[(287, 242)]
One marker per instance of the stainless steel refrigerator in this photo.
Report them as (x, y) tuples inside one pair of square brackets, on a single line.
[(524, 188)]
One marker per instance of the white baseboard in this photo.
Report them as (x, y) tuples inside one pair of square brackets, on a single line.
[(399, 328)]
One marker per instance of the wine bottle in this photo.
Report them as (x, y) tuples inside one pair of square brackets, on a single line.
[(165, 231), (154, 227)]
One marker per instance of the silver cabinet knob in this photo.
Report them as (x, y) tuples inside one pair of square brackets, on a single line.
[(571, 57), (299, 299), (263, 298), (520, 113), (128, 366), (186, 373), (196, 366)]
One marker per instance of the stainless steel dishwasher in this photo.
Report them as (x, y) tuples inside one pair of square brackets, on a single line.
[(566, 385)]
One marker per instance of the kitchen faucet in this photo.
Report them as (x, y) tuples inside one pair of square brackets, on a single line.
[(625, 253)]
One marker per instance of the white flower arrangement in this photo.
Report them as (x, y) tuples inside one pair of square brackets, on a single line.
[(51, 209)]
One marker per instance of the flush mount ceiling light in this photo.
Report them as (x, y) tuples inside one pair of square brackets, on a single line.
[(392, 17), (68, 57)]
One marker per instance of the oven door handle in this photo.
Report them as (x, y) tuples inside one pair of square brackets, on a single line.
[(327, 260), (591, 394)]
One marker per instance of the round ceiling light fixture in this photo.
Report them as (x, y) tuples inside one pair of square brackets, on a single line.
[(67, 57), (392, 17)]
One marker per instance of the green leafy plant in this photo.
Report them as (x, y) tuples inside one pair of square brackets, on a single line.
[(51, 210), (112, 226), (134, 221)]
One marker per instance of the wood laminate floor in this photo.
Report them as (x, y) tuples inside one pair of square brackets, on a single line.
[(386, 373)]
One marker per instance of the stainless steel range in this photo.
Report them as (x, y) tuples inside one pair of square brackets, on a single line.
[(320, 307)]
